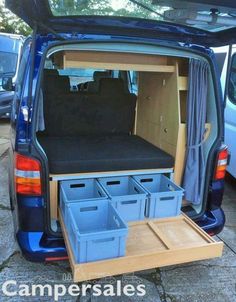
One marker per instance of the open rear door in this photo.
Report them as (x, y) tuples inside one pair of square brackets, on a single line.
[(209, 23), (151, 244)]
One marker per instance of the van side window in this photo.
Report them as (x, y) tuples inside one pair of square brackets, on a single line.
[(232, 81), (220, 59)]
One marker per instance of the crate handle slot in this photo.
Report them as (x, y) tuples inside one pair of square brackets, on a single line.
[(77, 186), (167, 198), (114, 182), (129, 202), (88, 209), (104, 240), (136, 190), (146, 180)]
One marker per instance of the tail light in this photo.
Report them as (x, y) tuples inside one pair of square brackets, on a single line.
[(222, 162), (27, 175)]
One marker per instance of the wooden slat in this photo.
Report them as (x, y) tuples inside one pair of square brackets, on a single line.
[(160, 234), (108, 174), (116, 61), (53, 185), (150, 244)]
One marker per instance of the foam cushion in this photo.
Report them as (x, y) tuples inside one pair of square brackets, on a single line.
[(102, 153)]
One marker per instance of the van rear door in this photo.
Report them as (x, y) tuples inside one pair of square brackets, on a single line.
[(209, 23)]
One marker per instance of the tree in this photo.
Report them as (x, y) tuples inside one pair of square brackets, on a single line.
[(9, 23), (127, 8), (130, 8)]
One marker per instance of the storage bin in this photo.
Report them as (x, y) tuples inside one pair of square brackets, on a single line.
[(95, 231), (79, 190), (126, 195), (164, 196)]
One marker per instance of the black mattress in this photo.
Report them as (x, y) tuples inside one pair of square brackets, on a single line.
[(102, 153)]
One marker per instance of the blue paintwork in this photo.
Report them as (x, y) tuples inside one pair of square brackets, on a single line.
[(33, 250), (32, 11), (32, 236)]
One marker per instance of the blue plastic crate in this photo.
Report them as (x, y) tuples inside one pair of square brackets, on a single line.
[(79, 190), (164, 196), (95, 231), (126, 195)]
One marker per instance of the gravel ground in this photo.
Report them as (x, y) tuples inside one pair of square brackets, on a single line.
[(213, 280)]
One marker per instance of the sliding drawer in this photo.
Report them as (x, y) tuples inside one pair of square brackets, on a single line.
[(150, 244)]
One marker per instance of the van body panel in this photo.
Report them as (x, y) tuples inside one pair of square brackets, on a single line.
[(35, 236), (38, 13), (230, 107)]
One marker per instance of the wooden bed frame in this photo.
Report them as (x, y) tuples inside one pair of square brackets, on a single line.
[(150, 244)]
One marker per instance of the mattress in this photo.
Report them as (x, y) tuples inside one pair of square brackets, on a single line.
[(102, 153)]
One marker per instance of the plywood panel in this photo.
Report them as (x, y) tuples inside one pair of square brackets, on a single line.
[(158, 112), (53, 186), (148, 122), (170, 111), (183, 83), (116, 61), (151, 244)]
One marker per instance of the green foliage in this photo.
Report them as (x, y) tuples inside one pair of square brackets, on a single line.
[(9, 23), (104, 7)]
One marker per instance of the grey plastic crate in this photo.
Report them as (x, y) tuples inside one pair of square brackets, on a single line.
[(164, 196), (95, 231), (73, 191), (126, 195)]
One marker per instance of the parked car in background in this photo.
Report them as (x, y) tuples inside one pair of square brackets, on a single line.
[(10, 53), (226, 59)]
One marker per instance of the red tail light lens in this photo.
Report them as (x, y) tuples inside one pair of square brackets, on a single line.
[(27, 175), (222, 162)]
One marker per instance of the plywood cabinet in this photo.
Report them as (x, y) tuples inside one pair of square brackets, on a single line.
[(150, 244), (158, 109), (161, 112)]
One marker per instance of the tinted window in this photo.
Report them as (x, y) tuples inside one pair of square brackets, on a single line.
[(20, 79), (78, 75), (220, 59), (232, 81)]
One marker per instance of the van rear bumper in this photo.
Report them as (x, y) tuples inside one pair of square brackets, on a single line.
[(32, 249), (36, 247)]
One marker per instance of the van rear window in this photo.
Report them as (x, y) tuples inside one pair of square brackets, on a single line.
[(78, 75)]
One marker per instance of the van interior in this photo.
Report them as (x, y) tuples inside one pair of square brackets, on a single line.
[(106, 113)]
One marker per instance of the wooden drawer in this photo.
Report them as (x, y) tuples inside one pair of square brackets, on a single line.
[(150, 244)]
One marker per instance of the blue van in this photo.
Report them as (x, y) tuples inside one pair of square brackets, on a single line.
[(226, 59), (10, 53), (120, 89)]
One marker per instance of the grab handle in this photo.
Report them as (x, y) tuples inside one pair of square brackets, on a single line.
[(146, 180), (167, 198), (89, 209), (73, 186), (104, 240), (112, 183), (129, 202)]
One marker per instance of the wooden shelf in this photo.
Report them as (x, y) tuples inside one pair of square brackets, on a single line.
[(116, 61), (150, 244)]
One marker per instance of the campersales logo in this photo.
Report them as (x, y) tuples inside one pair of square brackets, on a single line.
[(11, 288)]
